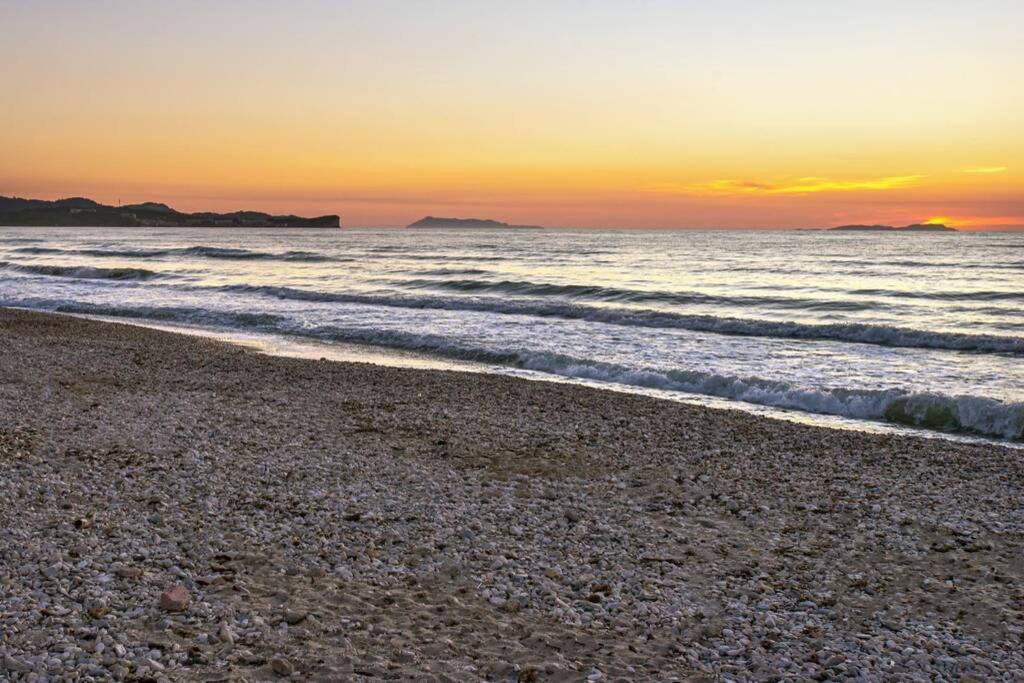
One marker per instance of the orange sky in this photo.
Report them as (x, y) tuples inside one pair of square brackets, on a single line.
[(598, 114)]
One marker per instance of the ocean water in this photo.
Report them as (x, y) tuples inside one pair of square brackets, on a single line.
[(923, 330)]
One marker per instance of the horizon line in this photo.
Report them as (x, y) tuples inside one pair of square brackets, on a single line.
[(949, 222)]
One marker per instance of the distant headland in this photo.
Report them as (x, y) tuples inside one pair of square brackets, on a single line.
[(915, 227), (474, 223), (82, 212)]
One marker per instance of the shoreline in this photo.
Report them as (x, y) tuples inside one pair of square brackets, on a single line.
[(331, 518), (354, 352)]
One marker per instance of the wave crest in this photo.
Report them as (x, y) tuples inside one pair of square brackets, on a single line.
[(83, 272), (863, 333), (197, 251)]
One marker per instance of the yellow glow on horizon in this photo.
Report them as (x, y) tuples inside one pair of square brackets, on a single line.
[(976, 222)]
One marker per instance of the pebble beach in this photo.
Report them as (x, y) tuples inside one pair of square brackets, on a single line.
[(179, 509)]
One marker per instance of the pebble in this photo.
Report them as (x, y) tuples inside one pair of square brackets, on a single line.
[(281, 666), (175, 599)]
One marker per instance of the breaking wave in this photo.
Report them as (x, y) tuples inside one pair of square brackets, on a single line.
[(83, 272), (614, 294)]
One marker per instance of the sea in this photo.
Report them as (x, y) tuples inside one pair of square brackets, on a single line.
[(918, 332)]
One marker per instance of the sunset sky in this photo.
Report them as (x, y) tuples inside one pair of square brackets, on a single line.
[(583, 113)]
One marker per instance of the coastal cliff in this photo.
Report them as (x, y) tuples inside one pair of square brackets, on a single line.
[(83, 212)]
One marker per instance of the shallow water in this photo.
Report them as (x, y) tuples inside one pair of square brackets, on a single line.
[(919, 329)]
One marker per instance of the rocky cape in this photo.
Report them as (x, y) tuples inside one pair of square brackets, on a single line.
[(473, 223), (82, 212), (915, 227)]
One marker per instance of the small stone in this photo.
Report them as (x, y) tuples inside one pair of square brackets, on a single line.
[(11, 664), (834, 661), (96, 608), (129, 572), (712, 629), (225, 634), (293, 617), (98, 611), (281, 666), (175, 599)]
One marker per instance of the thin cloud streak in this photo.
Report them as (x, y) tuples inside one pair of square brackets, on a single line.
[(986, 169), (807, 185)]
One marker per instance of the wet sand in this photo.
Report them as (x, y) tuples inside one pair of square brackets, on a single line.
[(337, 521)]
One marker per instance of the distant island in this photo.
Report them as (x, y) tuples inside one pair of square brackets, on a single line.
[(82, 212), (474, 223), (915, 227)]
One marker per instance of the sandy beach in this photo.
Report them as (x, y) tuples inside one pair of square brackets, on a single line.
[(181, 509)]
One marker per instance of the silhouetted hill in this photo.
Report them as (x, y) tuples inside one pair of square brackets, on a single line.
[(475, 223), (81, 212), (148, 206)]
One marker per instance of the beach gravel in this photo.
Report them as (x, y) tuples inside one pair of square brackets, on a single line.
[(179, 509)]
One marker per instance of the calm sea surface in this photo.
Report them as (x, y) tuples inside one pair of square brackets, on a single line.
[(916, 329)]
